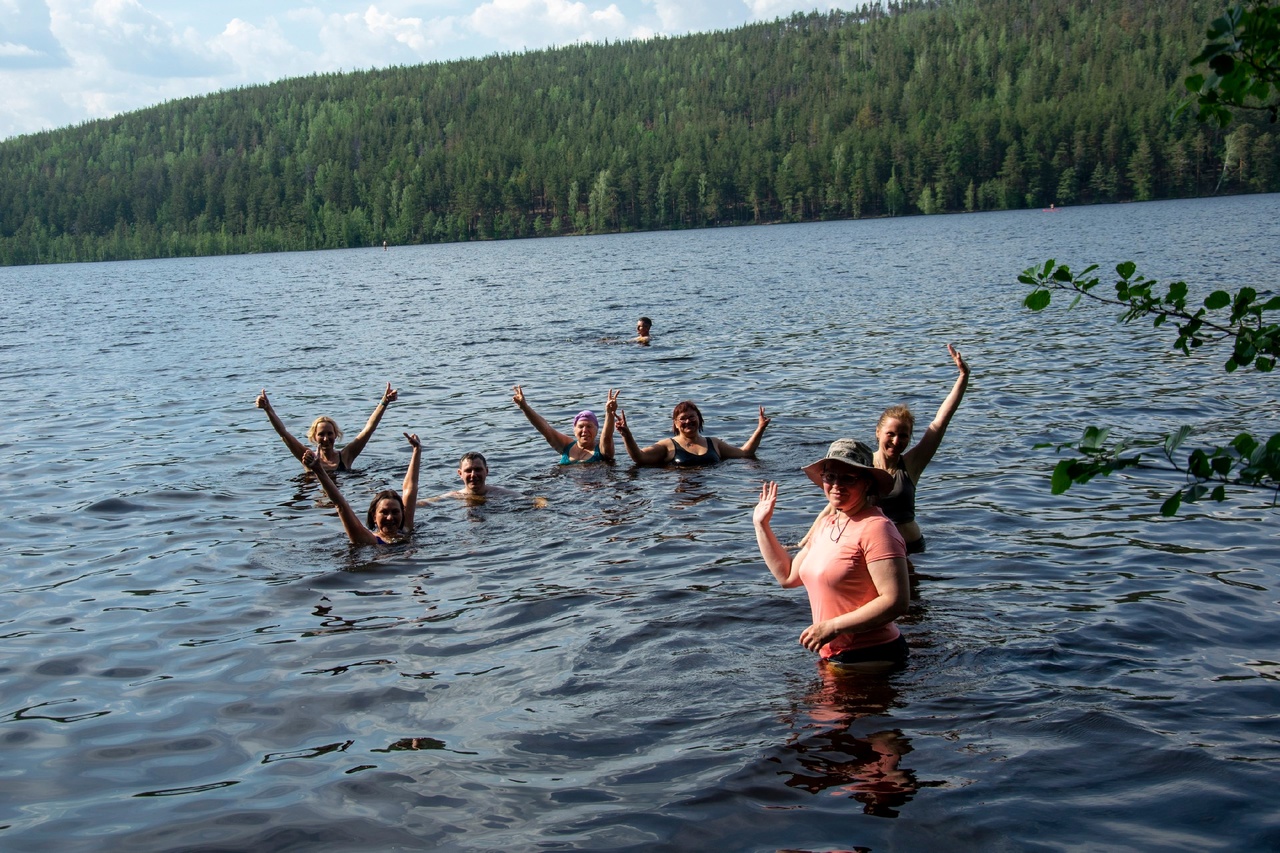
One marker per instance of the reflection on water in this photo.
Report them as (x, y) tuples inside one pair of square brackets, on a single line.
[(195, 658)]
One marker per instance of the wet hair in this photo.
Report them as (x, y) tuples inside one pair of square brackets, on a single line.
[(385, 494), (681, 407), (473, 456), (646, 321), (898, 413), (315, 425)]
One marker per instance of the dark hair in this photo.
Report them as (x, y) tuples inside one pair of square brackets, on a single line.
[(684, 406), (379, 498), (647, 322), (473, 456)]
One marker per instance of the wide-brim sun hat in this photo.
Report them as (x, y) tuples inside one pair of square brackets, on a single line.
[(851, 453)]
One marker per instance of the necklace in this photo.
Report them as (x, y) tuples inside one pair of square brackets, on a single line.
[(837, 529)]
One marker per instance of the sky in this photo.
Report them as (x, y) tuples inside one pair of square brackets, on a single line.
[(63, 62)]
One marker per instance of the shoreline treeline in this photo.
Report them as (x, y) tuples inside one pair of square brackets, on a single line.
[(924, 107)]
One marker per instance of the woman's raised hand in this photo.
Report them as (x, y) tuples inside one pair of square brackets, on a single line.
[(957, 358), (768, 500), (517, 395), (611, 404), (764, 420), (413, 440), (621, 421), (390, 395), (261, 402), (309, 459)]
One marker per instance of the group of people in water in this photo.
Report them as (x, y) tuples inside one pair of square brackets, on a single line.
[(853, 562)]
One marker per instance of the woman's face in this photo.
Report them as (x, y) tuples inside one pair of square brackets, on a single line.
[(585, 433), (388, 516), (845, 488), (893, 436), (686, 422), (326, 434)]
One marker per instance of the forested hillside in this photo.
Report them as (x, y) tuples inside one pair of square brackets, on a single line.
[(928, 107)]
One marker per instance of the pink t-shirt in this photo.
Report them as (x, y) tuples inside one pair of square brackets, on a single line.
[(835, 576)]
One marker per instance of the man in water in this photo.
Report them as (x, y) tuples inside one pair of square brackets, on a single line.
[(473, 470), (642, 330)]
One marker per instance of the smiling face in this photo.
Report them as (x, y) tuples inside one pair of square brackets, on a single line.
[(388, 517), (893, 435), (584, 432), (473, 472), (686, 420), (324, 432)]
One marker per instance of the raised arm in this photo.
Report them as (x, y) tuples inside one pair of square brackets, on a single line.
[(785, 569), (352, 450), (409, 491), (748, 450), (554, 437), (297, 448), (893, 596), (606, 429), (356, 532), (915, 459), (654, 454)]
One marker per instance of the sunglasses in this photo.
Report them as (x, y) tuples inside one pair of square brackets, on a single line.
[(832, 478)]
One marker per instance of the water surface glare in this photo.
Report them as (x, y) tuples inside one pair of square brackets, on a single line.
[(195, 659)]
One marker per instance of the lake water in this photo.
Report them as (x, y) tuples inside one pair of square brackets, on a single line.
[(195, 659)]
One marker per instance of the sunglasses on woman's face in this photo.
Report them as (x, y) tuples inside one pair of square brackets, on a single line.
[(848, 481)]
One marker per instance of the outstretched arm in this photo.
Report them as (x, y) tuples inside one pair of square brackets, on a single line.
[(297, 448), (654, 454), (554, 437), (915, 459), (356, 532), (409, 491), (748, 450), (786, 570), (606, 429), (352, 450)]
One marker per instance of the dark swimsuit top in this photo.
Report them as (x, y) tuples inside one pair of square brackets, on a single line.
[(342, 463), (692, 460), (900, 503)]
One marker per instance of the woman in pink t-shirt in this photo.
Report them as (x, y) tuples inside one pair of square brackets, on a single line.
[(854, 565)]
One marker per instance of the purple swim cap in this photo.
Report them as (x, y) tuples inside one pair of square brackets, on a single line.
[(586, 415)]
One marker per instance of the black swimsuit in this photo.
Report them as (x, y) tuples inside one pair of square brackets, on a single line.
[(692, 460)]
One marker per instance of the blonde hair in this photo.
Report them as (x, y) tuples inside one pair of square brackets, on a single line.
[(898, 413), (315, 425)]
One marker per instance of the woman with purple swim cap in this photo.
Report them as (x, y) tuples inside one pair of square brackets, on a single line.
[(581, 447)]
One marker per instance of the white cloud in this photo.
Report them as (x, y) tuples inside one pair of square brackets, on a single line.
[(517, 24), (125, 36), (26, 39)]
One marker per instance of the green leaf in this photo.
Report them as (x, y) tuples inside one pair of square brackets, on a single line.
[(1062, 479), (1174, 440), (1126, 268), (1037, 300), (1217, 299), (1170, 507)]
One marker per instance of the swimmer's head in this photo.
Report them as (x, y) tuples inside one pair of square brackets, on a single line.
[(683, 410), (386, 512), (473, 470), (324, 431)]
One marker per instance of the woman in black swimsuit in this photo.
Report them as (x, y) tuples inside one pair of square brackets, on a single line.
[(324, 433), (688, 446)]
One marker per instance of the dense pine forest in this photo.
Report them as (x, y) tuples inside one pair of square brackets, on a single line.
[(921, 107)]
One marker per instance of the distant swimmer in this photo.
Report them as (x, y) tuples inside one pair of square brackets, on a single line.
[(582, 447), (473, 470), (324, 434), (688, 447), (854, 567), (643, 327), (390, 516)]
